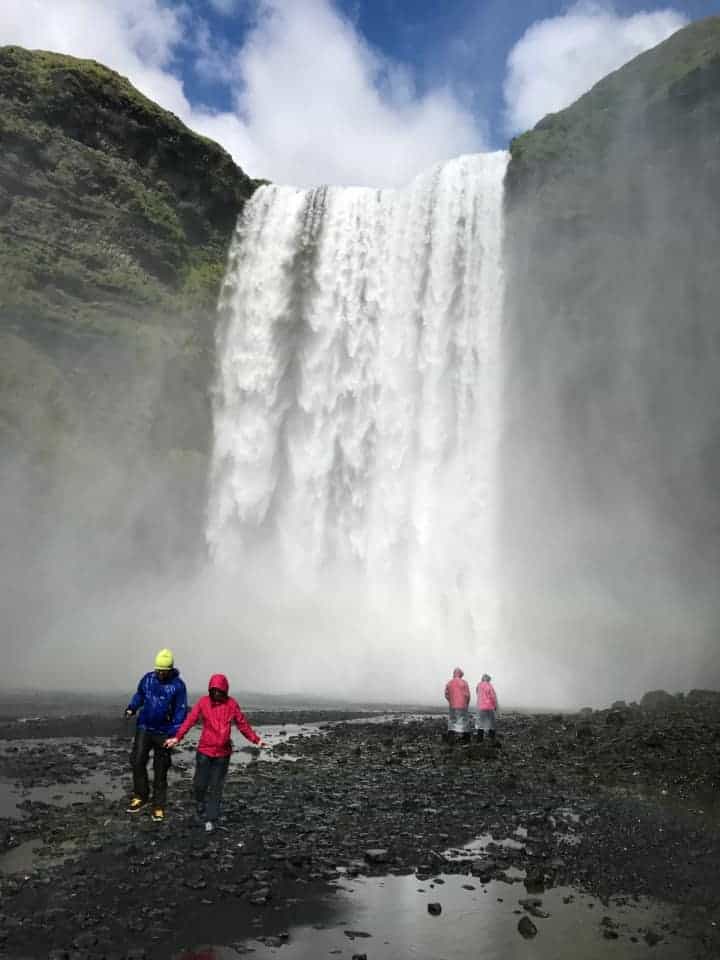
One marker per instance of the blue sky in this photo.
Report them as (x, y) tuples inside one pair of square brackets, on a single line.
[(353, 91), (428, 35)]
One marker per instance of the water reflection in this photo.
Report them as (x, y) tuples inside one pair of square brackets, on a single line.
[(388, 919)]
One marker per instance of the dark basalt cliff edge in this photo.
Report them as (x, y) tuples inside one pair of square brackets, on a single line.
[(612, 450), (115, 222)]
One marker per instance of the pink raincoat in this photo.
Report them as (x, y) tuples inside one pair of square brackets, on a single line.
[(457, 692), (486, 696)]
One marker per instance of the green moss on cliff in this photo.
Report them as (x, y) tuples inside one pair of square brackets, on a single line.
[(107, 203), (115, 221), (669, 89)]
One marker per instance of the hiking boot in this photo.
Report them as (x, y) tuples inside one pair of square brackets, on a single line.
[(136, 804), (158, 814), (209, 826)]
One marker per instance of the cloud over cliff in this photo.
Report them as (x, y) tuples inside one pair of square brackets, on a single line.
[(560, 58)]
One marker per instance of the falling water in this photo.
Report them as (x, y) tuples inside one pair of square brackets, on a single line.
[(356, 406)]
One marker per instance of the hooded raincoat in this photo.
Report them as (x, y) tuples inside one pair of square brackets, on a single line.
[(457, 694), (217, 719)]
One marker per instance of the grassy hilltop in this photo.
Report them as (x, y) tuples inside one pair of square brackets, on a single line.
[(108, 204), (670, 95)]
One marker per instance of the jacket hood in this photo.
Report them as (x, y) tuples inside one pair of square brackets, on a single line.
[(219, 681), (457, 672)]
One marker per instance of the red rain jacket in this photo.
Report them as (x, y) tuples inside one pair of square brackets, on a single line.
[(457, 692), (486, 696), (217, 720)]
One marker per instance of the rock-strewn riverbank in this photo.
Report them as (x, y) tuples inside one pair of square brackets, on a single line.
[(614, 802)]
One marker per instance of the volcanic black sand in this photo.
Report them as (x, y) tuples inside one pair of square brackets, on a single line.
[(615, 803)]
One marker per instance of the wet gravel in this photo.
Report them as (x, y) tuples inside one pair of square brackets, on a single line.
[(622, 802)]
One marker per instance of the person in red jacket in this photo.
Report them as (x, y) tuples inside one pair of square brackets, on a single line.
[(218, 712), (457, 694), (487, 702)]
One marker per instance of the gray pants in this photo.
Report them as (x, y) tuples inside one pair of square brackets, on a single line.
[(208, 783), (486, 721), (458, 720)]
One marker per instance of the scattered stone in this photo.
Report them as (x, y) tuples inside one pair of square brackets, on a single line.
[(616, 718), (434, 909), (527, 928), (376, 855)]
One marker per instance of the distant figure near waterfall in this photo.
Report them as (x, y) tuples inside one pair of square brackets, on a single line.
[(457, 694), (487, 703)]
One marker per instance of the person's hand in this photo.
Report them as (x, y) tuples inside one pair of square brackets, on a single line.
[(129, 713), (170, 742), (263, 745)]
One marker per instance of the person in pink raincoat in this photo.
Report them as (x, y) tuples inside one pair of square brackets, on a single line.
[(457, 694), (218, 712), (487, 703)]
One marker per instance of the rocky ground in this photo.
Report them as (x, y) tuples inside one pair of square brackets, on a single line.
[(614, 802)]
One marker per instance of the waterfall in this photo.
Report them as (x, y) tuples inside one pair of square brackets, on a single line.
[(357, 403)]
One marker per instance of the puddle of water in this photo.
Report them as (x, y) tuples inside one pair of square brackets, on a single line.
[(107, 782), (27, 856), (479, 845), (476, 920)]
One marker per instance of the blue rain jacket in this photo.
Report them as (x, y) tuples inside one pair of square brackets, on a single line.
[(162, 704)]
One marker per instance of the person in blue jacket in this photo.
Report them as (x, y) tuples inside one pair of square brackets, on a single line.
[(161, 698)]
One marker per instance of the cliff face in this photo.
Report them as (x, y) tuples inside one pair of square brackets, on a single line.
[(108, 204), (115, 221), (612, 453)]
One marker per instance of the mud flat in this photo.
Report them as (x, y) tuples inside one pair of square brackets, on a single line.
[(589, 836)]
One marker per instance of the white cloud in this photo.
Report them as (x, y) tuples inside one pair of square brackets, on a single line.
[(137, 38), (313, 103), (559, 59)]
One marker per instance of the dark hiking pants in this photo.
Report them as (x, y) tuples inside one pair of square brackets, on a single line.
[(208, 783), (142, 745)]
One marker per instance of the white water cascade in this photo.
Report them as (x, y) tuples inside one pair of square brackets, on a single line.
[(356, 417)]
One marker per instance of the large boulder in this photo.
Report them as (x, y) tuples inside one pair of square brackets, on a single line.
[(658, 700)]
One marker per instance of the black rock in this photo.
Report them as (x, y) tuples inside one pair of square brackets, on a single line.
[(376, 855), (435, 909), (527, 928), (616, 718), (658, 700)]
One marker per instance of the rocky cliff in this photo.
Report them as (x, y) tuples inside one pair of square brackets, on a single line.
[(115, 220), (612, 454)]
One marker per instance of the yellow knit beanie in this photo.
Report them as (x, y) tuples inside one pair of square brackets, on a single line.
[(164, 660)]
